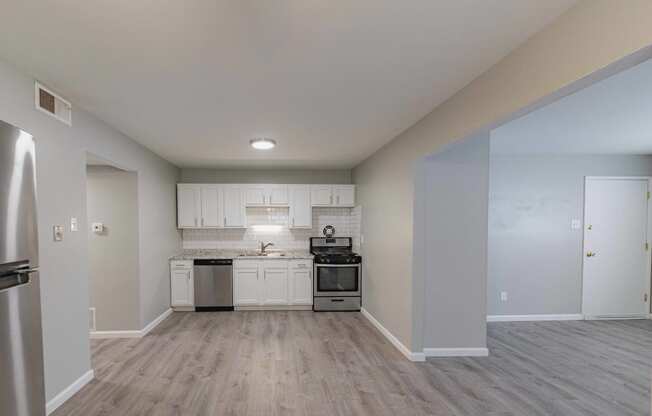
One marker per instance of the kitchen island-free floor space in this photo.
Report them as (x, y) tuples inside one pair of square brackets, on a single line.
[(305, 363)]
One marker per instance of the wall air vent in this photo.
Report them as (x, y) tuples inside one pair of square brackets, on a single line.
[(52, 104)]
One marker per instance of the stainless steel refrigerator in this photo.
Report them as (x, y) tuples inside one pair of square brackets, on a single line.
[(21, 349)]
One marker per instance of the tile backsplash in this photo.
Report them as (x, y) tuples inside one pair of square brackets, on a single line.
[(271, 224)]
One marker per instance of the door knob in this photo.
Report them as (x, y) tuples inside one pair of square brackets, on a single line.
[(590, 254)]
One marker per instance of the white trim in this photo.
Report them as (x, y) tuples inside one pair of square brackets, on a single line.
[(155, 322), (456, 352), (132, 333), (410, 355), (525, 318), (69, 391), (615, 317), (115, 334)]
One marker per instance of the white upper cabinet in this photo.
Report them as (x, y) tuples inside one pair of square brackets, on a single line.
[(235, 215), (344, 195), (321, 195), (188, 205), (333, 195), (278, 195), (266, 195), (224, 206), (300, 207), (212, 206), (256, 195)]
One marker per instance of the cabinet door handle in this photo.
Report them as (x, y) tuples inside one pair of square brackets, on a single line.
[(338, 200), (202, 221), (331, 199), (270, 200), (292, 221), (225, 221), (195, 221)]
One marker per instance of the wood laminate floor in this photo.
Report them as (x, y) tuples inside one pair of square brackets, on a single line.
[(305, 363)]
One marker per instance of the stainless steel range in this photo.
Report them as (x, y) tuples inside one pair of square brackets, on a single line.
[(337, 275)]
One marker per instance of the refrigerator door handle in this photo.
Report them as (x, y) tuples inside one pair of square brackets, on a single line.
[(13, 281), (19, 271)]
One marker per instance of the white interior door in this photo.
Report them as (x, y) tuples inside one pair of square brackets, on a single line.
[(616, 256)]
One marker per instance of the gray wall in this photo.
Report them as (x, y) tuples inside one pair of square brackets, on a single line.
[(451, 244), (534, 255), (300, 176), (61, 180), (586, 39), (112, 199)]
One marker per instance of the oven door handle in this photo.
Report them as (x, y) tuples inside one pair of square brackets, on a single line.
[(338, 265)]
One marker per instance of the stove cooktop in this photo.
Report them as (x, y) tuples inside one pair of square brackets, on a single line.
[(336, 250)]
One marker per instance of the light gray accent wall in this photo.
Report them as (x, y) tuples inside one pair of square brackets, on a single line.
[(569, 53), (112, 199), (298, 176), (534, 255), (453, 245), (61, 180)]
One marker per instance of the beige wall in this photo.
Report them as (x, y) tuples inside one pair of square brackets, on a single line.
[(330, 176), (590, 36), (112, 199)]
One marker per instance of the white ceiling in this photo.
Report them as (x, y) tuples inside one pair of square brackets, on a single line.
[(613, 116), (332, 81)]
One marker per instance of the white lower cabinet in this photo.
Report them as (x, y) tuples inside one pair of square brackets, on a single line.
[(182, 285), (300, 282), (275, 283), (272, 283), (246, 286)]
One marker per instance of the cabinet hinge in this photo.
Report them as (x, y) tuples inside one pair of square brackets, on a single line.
[(645, 298)]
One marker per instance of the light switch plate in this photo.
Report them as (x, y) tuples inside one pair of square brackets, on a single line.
[(98, 227), (74, 225), (57, 232), (576, 224), (503, 296)]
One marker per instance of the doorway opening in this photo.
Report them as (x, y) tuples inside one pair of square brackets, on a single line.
[(112, 227), (568, 231)]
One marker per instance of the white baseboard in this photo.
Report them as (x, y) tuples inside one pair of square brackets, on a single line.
[(131, 333), (155, 322), (69, 391), (456, 352), (411, 355), (524, 318), (115, 334)]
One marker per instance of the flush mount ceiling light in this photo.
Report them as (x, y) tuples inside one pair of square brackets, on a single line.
[(262, 144)]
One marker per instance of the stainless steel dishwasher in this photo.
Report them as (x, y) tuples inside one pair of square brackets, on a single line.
[(213, 285)]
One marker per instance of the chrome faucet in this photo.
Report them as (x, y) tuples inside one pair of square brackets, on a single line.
[(263, 246)]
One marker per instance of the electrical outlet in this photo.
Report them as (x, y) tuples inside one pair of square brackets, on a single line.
[(503, 296), (74, 225)]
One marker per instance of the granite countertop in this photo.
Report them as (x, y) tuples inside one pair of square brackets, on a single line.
[(242, 254)]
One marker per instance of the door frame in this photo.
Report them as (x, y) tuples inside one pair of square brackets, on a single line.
[(648, 283)]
